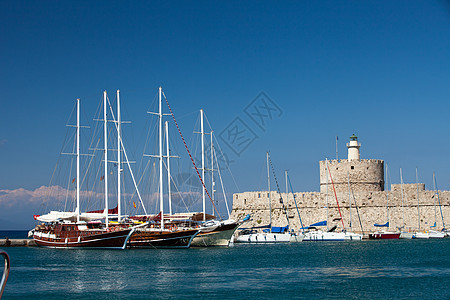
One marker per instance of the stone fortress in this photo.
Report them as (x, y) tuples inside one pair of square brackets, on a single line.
[(359, 184)]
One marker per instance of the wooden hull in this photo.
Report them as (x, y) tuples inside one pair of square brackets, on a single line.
[(384, 235), (143, 238), (84, 239), (220, 236)]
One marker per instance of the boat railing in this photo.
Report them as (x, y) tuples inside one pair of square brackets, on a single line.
[(5, 271)]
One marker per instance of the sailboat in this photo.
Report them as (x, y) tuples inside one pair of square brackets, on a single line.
[(161, 233), (214, 232), (271, 234), (75, 229), (419, 234), (330, 234), (385, 234)]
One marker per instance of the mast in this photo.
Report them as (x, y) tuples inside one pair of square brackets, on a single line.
[(326, 171), (119, 163), (168, 167), (212, 171), (203, 163), (268, 185), (350, 200), (418, 208), (387, 196), (403, 208), (286, 177), (77, 210), (439, 200), (161, 198), (105, 137)]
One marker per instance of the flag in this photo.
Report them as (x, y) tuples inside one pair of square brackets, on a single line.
[(102, 177), (134, 204), (73, 180)]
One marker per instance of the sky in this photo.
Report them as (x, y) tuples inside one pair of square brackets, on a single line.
[(285, 77)]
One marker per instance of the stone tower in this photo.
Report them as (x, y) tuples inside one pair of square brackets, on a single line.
[(365, 175)]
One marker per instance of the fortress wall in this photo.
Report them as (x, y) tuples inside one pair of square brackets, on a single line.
[(371, 205), (364, 174)]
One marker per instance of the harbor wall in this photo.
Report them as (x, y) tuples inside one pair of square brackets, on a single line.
[(372, 208), (17, 243)]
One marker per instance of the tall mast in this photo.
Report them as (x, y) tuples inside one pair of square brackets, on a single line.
[(418, 208), (78, 161), (161, 198), (439, 201), (326, 171), (268, 186), (349, 200), (212, 171), (387, 195), (119, 163), (105, 177), (168, 167), (203, 163), (436, 192), (287, 195), (403, 208)]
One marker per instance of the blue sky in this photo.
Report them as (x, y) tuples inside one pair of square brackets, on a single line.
[(379, 69)]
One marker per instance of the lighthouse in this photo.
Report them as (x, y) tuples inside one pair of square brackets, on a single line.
[(363, 175), (353, 148)]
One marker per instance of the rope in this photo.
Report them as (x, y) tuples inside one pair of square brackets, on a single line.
[(295, 201), (439, 201), (334, 189), (278, 188), (190, 156), (357, 210)]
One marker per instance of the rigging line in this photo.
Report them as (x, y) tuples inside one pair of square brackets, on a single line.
[(439, 201), (122, 149), (226, 163), (221, 183), (279, 191), (196, 169), (177, 190), (217, 145), (357, 210), (295, 201), (339, 208)]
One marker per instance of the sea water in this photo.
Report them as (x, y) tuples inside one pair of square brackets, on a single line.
[(390, 269)]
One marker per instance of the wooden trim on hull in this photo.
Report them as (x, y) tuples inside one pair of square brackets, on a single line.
[(162, 239), (111, 240)]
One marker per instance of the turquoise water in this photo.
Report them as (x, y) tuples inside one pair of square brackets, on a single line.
[(353, 270)]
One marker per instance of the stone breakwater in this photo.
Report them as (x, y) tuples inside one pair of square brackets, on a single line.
[(17, 243), (371, 206)]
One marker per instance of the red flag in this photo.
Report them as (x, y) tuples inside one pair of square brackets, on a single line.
[(73, 180), (134, 204), (102, 177)]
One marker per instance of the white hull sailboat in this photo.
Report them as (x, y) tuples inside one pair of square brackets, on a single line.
[(269, 235), (264, 237), (320, 235)]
